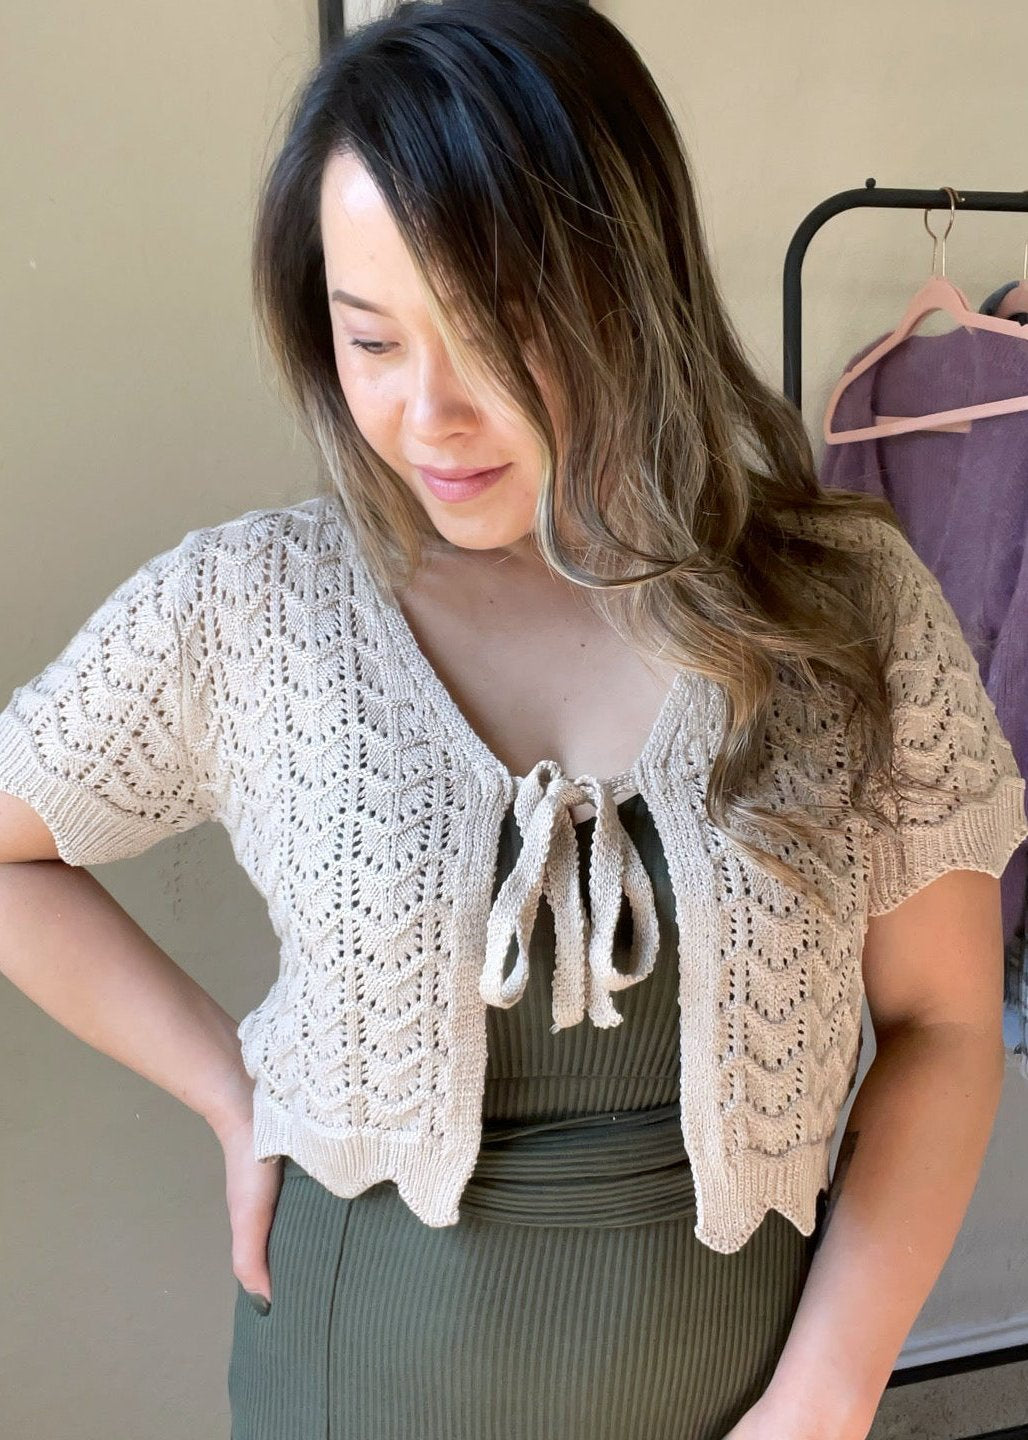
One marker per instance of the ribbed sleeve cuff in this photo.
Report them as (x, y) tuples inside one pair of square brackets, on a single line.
[(978, 835), (87, 829)]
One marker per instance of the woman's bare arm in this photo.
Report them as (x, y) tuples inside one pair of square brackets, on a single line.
[(68, 945), (909, 1161)]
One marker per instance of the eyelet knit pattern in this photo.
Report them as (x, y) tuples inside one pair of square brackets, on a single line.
[(252, 676)]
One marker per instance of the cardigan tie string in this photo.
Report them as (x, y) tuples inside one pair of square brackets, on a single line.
[(584, 974)]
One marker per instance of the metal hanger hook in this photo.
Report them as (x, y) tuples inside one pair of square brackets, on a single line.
[(953, 198)]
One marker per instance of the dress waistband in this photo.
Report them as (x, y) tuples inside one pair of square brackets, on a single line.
[(596, 1170)]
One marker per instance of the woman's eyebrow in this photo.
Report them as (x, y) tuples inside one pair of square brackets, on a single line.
[(358, 304)]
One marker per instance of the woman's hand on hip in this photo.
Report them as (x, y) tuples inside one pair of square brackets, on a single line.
[(251, 1191)]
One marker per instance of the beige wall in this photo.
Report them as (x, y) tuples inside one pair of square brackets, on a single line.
[(133, 409)]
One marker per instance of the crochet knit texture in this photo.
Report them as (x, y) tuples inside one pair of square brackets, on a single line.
[(253, 675)]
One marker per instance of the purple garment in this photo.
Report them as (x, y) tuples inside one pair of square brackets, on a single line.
[(962, 499)]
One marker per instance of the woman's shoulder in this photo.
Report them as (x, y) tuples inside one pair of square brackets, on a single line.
[(856, 530), (268, 546), (246, 563), (897, 579), (311, 526)]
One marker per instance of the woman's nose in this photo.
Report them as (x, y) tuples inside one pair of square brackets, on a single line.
[(439, 398)]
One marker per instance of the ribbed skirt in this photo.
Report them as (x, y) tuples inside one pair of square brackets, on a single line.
[(572, 1301)]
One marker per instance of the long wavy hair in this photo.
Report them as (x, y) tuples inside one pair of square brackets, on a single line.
[(542, 188)]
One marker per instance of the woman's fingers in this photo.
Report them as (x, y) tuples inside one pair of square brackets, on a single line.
[(251, 1192)]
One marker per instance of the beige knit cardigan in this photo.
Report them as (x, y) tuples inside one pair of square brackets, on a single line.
[(253, 675)]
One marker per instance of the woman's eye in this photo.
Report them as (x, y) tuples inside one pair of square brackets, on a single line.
[(373, 347)]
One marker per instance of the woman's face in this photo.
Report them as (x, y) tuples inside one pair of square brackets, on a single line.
[(403, 394)]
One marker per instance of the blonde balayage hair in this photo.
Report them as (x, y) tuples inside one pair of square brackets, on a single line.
[(541, 186)]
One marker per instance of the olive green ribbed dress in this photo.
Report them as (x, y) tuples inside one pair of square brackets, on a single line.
[(572, 1300)]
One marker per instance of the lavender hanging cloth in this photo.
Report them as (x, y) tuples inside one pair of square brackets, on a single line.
[(961, 494)]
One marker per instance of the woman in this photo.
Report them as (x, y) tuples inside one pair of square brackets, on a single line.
[(479, 250)]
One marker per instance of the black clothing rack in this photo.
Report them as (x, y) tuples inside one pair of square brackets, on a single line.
[(893, 199), (332, 25), (1009, 200)]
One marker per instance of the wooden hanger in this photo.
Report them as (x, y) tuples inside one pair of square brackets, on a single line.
[(938, 293)]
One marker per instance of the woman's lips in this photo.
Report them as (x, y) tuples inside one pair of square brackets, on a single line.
[(464, 489)]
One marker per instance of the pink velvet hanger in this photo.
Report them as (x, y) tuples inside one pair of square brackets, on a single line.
[(938, 293)]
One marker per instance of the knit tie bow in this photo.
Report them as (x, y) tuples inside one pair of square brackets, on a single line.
[(584, 973)]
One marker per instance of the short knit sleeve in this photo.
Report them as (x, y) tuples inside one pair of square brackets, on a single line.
[(101, 743), (946, 732)]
